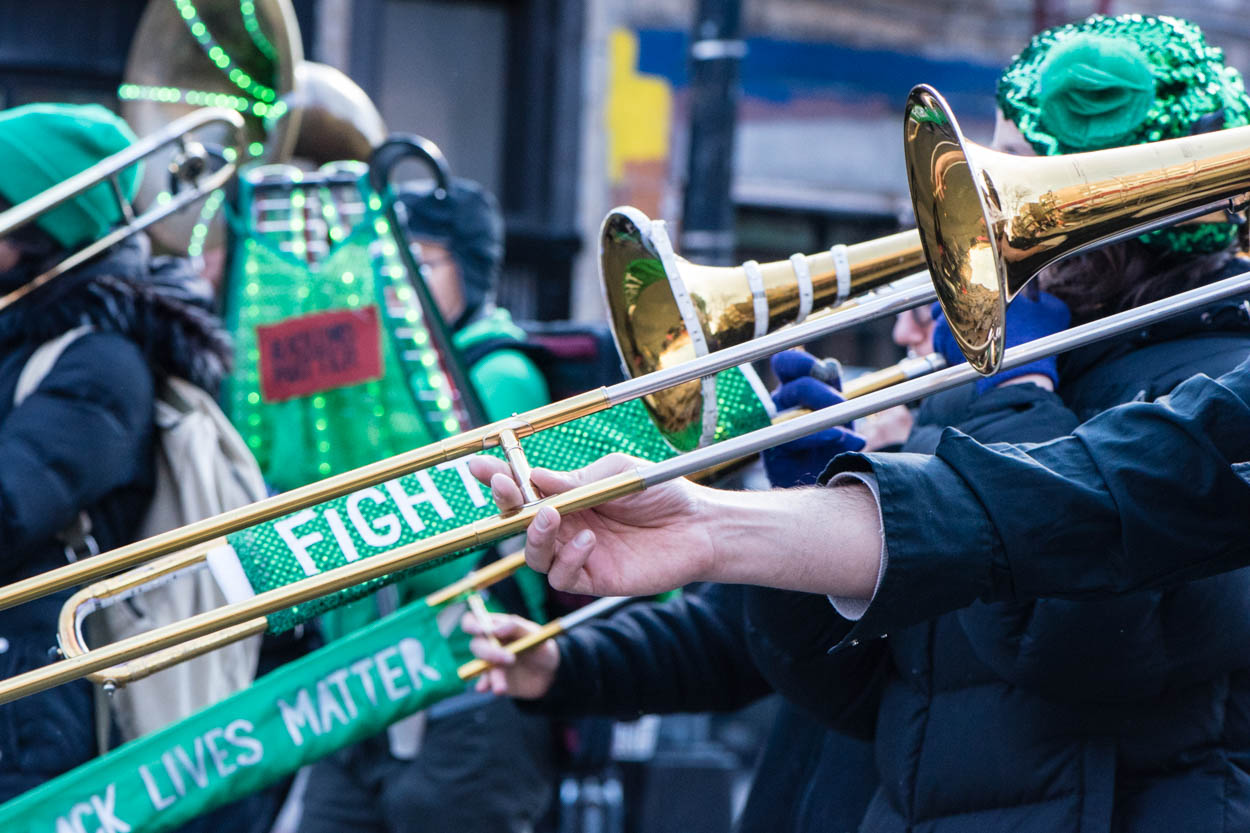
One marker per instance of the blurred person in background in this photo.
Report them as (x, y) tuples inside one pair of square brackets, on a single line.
[(77, 461), (474, 762), (888, 430)]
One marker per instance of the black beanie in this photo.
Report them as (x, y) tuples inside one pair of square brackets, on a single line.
[(466, 219)]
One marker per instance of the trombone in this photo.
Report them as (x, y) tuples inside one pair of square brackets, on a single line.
[(645, 236), (191, 171), (1176, 179), (96, 596), (868, 267)]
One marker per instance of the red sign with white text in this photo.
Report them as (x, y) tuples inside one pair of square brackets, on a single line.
[(314, 353)]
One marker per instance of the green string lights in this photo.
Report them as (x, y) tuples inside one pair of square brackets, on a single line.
[(258, 99), (201, 98), (199, 234), (247, 8), (429, 383), (191, 16)]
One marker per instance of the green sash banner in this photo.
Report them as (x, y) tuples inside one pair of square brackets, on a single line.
[(381, 518), (300, 713)]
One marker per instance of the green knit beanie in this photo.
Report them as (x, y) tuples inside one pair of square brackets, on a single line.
[(44, 144), (1115, 81)]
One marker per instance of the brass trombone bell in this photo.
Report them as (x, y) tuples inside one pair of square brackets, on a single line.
[(666, 310), (990, 221)]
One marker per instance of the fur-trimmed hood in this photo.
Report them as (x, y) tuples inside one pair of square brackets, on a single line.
[(161, 304)]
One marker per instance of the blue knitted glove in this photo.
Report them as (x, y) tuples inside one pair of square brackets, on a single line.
[(1027, 319), (800, 462)]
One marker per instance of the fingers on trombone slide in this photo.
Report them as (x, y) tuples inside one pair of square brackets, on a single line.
[(479, 613), (494, 660), (478, 619), (512, 487), (498, 475)]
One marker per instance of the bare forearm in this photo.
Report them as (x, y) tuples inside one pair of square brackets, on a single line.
[(818, 540)]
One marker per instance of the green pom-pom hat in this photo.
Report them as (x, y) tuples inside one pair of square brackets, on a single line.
[(1115, 81), (43, 144)]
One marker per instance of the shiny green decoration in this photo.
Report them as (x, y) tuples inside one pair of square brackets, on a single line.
[(381, 518), (308, 438), (200, 98), (1192, 86), (247, 8), (199, 233), (264, 94)]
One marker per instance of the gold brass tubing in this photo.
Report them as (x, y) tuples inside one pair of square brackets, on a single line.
[(137, 669), (874, 381), (872, 263), (477, 606), (724, 296), (552, 629), (123, 558), (478, 579), (468, 537), (516, 461), (95, 596)]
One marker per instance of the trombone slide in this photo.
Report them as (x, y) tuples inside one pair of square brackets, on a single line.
[(472, 536), (107, 169), (99, 595), (478, 579), (910, 294), (485, 531)]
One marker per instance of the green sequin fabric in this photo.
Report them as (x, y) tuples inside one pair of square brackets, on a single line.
[(373, 521), (307, 438), (1190, 79)]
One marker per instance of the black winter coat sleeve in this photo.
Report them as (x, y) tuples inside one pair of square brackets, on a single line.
[(792, 633), (684, 654), (83, 432), (1136, 486)]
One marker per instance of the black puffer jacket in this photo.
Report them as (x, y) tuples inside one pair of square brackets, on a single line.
[(1131, 714), (690, 654), (83, 441)]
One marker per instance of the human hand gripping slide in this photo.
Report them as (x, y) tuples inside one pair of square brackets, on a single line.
[(670, 535), (640, 544), (635, 545), (818, 540)]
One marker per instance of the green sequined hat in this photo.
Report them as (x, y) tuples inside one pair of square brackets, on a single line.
[(1115, 81)]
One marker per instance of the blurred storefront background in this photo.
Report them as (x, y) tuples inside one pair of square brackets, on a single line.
[(566, 108)]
